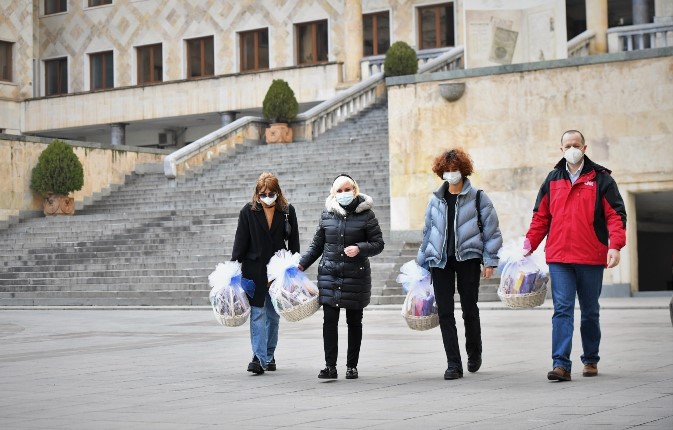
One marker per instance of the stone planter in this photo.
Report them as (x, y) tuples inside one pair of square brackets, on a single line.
[(58, 204), (279, 133)]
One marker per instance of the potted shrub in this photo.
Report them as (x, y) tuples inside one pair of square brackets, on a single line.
[(57, 174), (400, 60), (280, 107)]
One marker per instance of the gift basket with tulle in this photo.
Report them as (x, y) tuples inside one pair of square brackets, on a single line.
[(419, 309), (293, 295), (229, 294), (523, 281)]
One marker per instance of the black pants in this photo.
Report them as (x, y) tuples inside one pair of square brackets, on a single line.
[(330, 335), (468, 273)]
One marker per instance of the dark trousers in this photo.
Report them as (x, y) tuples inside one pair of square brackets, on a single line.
[(330, 335), (444, 281)]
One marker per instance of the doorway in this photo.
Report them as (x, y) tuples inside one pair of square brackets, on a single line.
[(655, 240)]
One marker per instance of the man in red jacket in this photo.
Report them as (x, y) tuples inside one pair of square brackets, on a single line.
[(581, 212)]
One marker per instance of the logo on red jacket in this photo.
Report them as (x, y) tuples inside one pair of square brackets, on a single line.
[(589, 183)]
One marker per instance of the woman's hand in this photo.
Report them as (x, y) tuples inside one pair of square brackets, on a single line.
[(352, 251), (488, 272)]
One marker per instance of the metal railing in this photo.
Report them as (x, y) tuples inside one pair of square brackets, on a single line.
[(319, 119), (579, 45), (641, 36)]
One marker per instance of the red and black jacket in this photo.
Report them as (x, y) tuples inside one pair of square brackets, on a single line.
[(581, 220)]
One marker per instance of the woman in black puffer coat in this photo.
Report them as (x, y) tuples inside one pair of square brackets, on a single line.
[(347, 235)]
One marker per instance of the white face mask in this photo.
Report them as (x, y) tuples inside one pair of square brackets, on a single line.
[(269, 200), (573, 155), (344, 199), (452, 177)]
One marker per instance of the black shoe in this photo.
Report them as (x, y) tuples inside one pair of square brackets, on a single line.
[(255, 367), (329, 372), (473, 364), (453, 373), (271, 367), (351, 373)]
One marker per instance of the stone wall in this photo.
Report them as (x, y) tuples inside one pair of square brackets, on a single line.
[(103, 166), (510, 119)]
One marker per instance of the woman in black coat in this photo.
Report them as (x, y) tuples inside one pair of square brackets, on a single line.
[(347, 235), (264, 226)]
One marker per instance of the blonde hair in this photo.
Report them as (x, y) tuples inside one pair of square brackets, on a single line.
[(342, 179), (270, 182)]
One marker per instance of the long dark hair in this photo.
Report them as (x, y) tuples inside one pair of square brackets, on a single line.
[(270, 182)]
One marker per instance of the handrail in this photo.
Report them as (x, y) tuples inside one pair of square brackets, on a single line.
[(578, 46), (196, 148), (450, 60)]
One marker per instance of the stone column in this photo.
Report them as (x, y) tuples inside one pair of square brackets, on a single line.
[(352, 46), (641, 13), (228, 117), (663, 11), (118, 133), (597, 20)]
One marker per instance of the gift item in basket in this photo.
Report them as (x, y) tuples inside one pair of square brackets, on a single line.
[(522, 285), (419, 309), (293, 295), (229, 294)]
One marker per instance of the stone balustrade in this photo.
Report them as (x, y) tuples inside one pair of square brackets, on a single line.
[(642, 36), (374, 64), (579, 46)]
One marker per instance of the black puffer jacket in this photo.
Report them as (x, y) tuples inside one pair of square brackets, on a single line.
[(343, 281)]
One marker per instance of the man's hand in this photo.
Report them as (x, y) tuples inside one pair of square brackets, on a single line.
[(488, 272), (526, 247), (352, 251), (613, 258)]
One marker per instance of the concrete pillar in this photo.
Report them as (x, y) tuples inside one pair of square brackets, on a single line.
[(663, 11), (597, 20), (228, 117), (352, 47), (641, 12), (118, 133)]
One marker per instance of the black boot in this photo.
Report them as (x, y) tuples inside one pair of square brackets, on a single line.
[(329, 372), (255, 367), (352, 373), (474, 363)]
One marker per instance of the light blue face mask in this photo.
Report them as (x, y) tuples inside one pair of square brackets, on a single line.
[(344, 199)]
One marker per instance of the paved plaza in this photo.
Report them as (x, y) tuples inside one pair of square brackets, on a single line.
[(168, 369)]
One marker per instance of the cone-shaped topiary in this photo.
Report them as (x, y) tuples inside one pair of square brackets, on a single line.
[(58, 170), (280, 104), (400, 60)]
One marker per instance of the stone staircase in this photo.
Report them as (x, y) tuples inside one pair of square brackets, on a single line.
[(153, 242)]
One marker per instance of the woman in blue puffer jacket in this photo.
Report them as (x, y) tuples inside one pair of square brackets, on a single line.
[(455, 246)]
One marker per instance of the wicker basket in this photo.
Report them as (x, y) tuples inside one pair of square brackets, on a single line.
[(299, 312), (229, 321), (421, 323), (523, 301)]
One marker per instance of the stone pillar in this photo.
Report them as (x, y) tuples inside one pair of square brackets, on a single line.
[(663, 11), (118, 133), (228, 117), (597, 20), (352, 46), (641, 13)]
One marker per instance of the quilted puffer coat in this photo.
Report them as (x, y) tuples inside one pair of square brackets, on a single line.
[(345, 282)]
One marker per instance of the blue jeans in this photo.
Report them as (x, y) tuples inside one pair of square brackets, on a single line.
[(264, 331), (586, 281)]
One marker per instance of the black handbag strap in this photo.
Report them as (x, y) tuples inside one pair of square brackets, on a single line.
[(478, 203)]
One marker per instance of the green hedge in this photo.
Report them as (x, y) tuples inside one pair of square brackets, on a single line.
[(280, 104), (400, 60)]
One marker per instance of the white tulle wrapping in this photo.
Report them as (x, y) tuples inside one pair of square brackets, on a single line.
[(419, 308), (290, 288), (227, 296)]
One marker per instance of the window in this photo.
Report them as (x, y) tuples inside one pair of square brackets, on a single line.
[(255, 50), (200, 58), (311, 42), (435, 26), (56, 76), (101, 68), (150, 64), (55, 6), (376, 32), (93, 3), (5, 61)]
